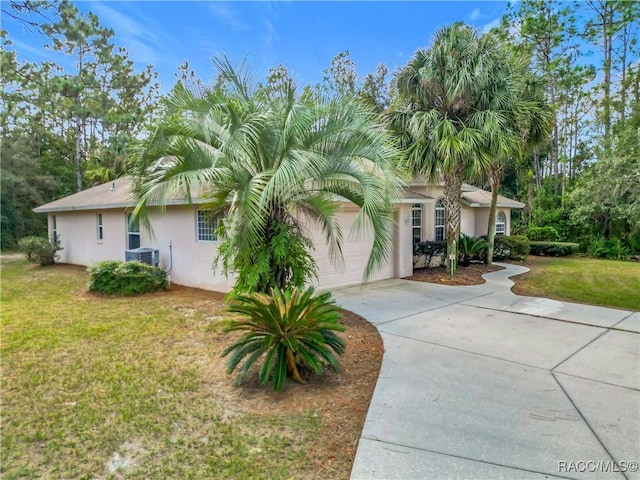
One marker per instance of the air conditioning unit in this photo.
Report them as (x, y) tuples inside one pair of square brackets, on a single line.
[(143, 255)]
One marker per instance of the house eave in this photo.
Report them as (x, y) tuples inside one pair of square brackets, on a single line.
[(113, 206), (413, 201), (486, 205)]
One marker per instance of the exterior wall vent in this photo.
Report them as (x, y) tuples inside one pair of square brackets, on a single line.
[(143, 255)]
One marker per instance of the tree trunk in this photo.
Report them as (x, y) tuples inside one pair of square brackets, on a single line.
[(623, 68), (563, 188), (491, 228), (537, 168), (636, 86), (452, 194), (293, 368), (607, 32), (78, 153)]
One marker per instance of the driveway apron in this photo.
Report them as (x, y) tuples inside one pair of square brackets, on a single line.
[(477, 382)]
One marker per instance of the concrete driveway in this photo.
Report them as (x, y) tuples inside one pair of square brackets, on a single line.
[(477, 382)]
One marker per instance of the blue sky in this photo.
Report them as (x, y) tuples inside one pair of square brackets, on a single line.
[(304, 36)]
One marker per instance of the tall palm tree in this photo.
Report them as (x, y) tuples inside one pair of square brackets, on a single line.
[(531, 119), (451, 117), (270, 161)]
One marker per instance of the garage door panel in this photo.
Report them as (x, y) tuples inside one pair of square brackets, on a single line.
[(355, 249)]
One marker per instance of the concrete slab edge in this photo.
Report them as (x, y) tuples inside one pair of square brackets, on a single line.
[(586, 422), (511, 467)]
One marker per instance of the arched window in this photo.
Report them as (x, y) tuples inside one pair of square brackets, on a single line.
[(440, 218), (416, 223), (501, 224)]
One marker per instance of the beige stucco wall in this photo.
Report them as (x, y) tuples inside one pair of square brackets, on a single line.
[(473, 220), (404, 241), (482, 220), (78, 236), (468, 220), (191, 260)]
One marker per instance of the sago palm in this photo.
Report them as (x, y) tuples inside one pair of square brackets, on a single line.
[(285, 330), (470, 247), (450, 112), (272, 161)]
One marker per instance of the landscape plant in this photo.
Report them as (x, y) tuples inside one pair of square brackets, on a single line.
[(519, 96), (40, 250), (611, 248), (126, 278), (429, 250), (272, 162), (543, 234), (513, 247), (469, 248), (287, 331), (455, 113), (553, 249)]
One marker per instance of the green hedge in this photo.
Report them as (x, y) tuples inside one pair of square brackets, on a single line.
[(40, 250), (126, 278), (554, 249), (611, 248), (514, 247), (429, 250), (543, 234)]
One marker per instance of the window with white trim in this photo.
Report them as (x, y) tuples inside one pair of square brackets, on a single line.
[(54, 228), (99, 227), (501, 224), (133, 232), (206, 225), (440, 222), (416, 223)]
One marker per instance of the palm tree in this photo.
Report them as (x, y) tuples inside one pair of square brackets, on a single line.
[(451, 118), (270, 161), (531, 119)]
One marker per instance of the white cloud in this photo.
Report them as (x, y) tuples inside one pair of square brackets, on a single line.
[(492, 24), (21, 47), (228, 15), (138, 35), (122, 24), (270, 35), (475, 15)]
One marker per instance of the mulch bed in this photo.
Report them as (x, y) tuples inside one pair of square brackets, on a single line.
[(471, 275), (339, 399)]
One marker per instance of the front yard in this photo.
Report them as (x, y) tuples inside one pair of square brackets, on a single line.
[(102, 387), (607, 283)]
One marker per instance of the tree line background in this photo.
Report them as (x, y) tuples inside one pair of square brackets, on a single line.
[(69, 128)]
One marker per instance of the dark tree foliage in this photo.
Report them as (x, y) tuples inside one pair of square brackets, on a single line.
[(65, 128)]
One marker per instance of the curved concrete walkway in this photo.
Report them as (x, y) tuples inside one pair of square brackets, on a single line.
[(478, 382)]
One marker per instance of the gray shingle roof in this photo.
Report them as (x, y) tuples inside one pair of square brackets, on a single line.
[(114, 194), (117, 194), (481, 198), (414, 197)]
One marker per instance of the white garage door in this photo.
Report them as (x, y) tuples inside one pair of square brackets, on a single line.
[(356, 251)]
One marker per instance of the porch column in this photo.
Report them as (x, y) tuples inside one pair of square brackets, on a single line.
[(403, 242)]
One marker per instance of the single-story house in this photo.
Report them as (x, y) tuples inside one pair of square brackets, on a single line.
[(94, 225)]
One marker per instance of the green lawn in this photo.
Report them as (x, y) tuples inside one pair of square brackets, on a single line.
[(607, 283), (101, 387)]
